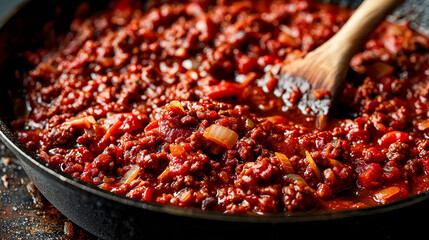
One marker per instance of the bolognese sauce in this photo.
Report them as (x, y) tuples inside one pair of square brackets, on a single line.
[(175, 103)]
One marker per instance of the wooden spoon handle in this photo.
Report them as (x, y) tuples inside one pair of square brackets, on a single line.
[(364, 20), (330, 61)]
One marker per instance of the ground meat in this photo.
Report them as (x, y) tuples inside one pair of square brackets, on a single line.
[(173, 103), (297, 198)]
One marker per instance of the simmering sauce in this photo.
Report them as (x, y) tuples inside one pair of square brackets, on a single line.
[(175, 103)]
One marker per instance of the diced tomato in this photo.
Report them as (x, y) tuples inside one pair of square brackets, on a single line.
[(322, 93), (245, 64), (112, 130), (371, 177), (177, 149), (129, 122), (151, 126), (271, 83), (266, 60), (222, 90), (373, 155), (391, 137)]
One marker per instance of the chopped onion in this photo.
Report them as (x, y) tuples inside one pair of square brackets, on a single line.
[(335, 163), (184, 195), (177, 104), (130, 175), (190, 64), (384, 195), (112, 130), (287, 39), (180, 52), (277, 119), (221, 135), (313, 165), (107, 179), (422, 126), (83, 121), (249, 123), (285, 163), (294, 178)]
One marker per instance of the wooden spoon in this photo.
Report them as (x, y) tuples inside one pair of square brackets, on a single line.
[(320, 75)]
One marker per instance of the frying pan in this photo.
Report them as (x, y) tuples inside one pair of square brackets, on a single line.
[(111, 216)]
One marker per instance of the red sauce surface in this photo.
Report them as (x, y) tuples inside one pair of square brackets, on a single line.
[(100, 108)]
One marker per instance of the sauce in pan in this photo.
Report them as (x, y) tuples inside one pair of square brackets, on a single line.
[(175, 103)]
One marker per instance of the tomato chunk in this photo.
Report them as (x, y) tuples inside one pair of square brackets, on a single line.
[(391, 137), (222, 90), (371, 177)]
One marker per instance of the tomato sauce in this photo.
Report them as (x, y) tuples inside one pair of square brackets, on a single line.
[(176, 103)]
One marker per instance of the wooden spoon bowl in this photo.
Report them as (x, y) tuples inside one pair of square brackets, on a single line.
[(319, 76)]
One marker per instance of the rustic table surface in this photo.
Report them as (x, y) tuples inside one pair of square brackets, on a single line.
[(24, 212)]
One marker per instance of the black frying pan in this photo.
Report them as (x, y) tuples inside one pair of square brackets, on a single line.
[(112, 216)]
